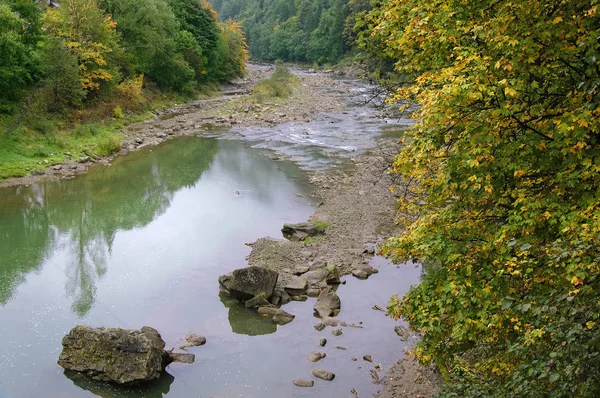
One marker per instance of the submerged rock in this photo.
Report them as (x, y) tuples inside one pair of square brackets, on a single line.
[(278, 316), (327, 304), (246, 283), (115, 355)]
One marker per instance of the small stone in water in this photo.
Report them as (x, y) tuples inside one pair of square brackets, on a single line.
[(303, 383), (322, 342), (323, 374), (336, 332), (368, 358)]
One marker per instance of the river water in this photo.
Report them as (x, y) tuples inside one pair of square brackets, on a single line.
[(142, 242)]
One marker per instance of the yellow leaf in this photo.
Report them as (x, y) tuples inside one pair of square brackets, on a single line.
[(576, 281), (590, 324), (557, 20)]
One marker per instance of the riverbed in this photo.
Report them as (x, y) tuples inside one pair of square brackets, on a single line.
[(143, 241)]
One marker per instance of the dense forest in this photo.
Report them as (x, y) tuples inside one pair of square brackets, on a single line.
[(315, 31), (84, 60)]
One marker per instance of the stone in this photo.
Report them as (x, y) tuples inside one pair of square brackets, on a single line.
[(354, 359), (296, 286), (246, 283), (329, 321), (114, 355), (323, 374), (364, 269), (313, 292), (195, 340), (402, 332), (319, 326), (301, 231), (327, 303), (257, 301), (58, 167), (304, 383), (278, 316), (268, 311), (307, 254), (301, 270), (336, 332), (283, 318), (369, 248), (368, 358), (322, 342), (285, 297), (299, 298), (360, 274), (182, 358), (339, 347), (316, 356)]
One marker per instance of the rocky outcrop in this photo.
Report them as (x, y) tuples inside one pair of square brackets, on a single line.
[(301, 231), (328, 304), (246, 283), (115, 355)]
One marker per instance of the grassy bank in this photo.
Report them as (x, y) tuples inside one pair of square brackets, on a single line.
[(31, 141)]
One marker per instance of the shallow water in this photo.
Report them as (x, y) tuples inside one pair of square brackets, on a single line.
[(142, 242)]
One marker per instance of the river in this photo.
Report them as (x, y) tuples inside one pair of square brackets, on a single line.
[(142, 242)]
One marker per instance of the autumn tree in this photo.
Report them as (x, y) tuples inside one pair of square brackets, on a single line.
[(91, 37), (500, 190)]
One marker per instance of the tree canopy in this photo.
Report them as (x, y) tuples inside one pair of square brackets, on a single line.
[(500, 189)]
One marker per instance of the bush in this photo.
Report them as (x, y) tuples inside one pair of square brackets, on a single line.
[(280, 85), (107, 144)]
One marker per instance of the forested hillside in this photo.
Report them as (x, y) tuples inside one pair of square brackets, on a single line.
[(74, 61), (316, 31)]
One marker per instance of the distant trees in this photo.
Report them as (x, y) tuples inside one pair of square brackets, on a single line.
[(93, 49), (295, 30)]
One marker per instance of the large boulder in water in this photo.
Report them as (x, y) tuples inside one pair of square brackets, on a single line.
[(246, 283), (115, 355)]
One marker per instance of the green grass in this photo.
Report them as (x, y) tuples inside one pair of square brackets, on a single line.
[(41, 141), (321, 224)]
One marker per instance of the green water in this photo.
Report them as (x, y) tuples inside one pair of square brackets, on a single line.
[(142, 242)]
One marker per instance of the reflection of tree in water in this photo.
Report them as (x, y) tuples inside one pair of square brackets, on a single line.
[(87, 212)]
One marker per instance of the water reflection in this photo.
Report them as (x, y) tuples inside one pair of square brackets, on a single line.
[(81, 217), (154, 389), (245, 320)]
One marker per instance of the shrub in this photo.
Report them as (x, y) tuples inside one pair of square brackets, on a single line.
[(107, 144)]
